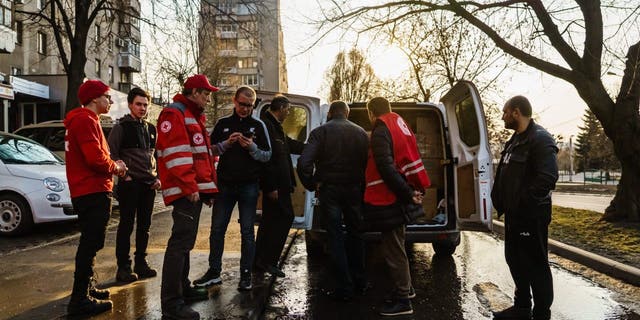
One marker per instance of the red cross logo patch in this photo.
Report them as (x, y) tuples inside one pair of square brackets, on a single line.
[(198, 138), (165, 126)]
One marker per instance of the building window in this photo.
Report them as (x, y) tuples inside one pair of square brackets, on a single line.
[(40, 4), (15, 71), (5, 13), (223, 82), (98, 38), (124, 77), (246, 44), (98, 68), (110, 74), (19, 32), (110, 42), (225, 6), (42, 43), (250, 62), (250, 79)]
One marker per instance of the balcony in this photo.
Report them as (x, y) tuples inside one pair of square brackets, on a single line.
[(7, 39), (133, 4), (125, 86), (129, 62), (229, 70), (228, 35), (228, 53), (128, 30)]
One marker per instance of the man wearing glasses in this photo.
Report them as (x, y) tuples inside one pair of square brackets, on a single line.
[(89, 173), (243, 143)]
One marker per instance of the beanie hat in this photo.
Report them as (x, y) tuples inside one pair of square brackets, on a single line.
[(90, 90), (199, 81)]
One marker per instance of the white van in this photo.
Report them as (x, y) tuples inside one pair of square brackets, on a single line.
[(454, 146)]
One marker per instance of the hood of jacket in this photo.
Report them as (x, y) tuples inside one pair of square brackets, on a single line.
[(78, 112)]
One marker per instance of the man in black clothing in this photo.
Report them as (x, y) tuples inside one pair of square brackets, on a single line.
[(522, 192), (333, 164), (278, 182), (133, 140), (242, 156)]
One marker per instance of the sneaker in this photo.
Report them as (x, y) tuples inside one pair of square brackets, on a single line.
[(275, 271), (180, 312), (412, 293), (143, 270), (126, 275), (396, 307), (513, 312), (192, 294), (87, 306), (245, 281), (209, 278)]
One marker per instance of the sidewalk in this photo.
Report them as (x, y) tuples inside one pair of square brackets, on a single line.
[(37, 282)]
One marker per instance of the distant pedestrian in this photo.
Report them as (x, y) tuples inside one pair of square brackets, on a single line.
[(333, 164), (396, 178), (133, 140), (278, 182), (527, 173), (187, 172), (89, 173), (244, 153)]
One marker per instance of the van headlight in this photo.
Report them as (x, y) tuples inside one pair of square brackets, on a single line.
[(53, 184)]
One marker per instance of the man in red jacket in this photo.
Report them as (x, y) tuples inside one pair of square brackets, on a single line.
[(188, 179), (89, 172)]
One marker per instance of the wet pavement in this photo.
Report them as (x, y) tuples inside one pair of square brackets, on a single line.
[(469, 285)]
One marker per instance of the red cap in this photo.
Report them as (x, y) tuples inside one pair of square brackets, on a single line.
[(90, 90), (199, 81)]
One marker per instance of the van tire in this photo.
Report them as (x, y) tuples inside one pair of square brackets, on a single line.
[(445, 248)]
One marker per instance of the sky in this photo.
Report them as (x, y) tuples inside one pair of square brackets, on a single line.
[(556, 102)]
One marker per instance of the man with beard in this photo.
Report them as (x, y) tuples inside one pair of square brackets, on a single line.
[(527, 173)]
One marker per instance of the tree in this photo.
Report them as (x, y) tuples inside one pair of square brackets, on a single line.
[(351, 78), (563, 39), (70, 22), (593, 149)]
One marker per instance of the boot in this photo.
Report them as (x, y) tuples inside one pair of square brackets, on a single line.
[(87, 306), (180, 312), (125, 274), (143, 270), (100, 294)]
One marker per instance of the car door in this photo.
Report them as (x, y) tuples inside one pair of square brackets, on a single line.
[(304, 116), (473, 171)]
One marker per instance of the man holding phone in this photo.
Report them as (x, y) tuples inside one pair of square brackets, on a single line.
[(243, 144)]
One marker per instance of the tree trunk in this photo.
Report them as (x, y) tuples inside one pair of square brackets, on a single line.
[(626, 203), (74, 80)]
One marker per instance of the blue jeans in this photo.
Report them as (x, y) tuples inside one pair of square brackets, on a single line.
[(246, 195)]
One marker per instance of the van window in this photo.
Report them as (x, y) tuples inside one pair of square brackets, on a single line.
[(468, 122), (295, 125), (38, 135), (56, 140)]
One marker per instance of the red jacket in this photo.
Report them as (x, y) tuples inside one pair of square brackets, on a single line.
[(407, 161), (89, 167), (185, 157)]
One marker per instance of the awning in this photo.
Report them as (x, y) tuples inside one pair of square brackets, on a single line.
[(6, 92)]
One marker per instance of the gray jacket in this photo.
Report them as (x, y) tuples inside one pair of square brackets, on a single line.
[(134, 142)]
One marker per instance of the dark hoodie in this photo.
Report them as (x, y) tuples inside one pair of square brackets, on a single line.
[(89, 167), (133, 141)]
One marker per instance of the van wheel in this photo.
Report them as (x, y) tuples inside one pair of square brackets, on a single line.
[(15, 215), (444, 248)]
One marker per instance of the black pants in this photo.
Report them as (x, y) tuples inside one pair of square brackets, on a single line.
[(342, 205), (175, 268), (277, 217), (93, 212), (136, 204), (526, 253)]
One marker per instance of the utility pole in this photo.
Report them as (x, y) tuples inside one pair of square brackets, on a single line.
[(570, 158)]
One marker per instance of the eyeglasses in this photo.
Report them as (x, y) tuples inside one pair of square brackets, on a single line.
[(245, 104), (107, 96)]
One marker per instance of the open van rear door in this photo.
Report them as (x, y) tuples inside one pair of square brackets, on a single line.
[(305, 115), (473, 171)]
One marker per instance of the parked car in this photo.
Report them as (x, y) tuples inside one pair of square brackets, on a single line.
[(33, 185), (454, 146), (51, 133)]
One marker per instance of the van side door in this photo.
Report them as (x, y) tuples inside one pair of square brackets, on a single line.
[(472, 160)]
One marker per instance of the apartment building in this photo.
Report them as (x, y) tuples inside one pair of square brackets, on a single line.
[(36, 74), (241, 44)]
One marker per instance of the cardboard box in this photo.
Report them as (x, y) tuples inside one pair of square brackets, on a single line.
[(430, 202)]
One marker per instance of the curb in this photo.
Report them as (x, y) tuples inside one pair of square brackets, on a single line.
[(596, 262)]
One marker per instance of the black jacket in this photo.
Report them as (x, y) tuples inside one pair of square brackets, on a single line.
[(238, 165), (527, 173), (337, 151), (278, 171), (134, 142)]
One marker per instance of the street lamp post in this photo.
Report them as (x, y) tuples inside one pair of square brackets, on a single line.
[(571, 158)]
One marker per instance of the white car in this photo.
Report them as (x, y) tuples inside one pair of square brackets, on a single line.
[(33, 185)]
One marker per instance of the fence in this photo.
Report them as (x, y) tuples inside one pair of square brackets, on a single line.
[(591, 176)]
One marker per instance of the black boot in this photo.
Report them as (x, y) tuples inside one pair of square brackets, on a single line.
[(143, 270), (100, 294), (87, 306), (180, 312), (125, 274)]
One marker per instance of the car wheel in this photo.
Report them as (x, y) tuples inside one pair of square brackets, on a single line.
[(444, 248), (15, 215)]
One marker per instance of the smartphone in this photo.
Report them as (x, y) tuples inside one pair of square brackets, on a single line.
[(248, 134)]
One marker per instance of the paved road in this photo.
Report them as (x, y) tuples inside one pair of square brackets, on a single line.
[(595, 202)]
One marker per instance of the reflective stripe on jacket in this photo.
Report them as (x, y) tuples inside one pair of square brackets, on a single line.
[(185, 157)]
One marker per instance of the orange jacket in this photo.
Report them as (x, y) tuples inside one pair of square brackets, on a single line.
[(185, 156)]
